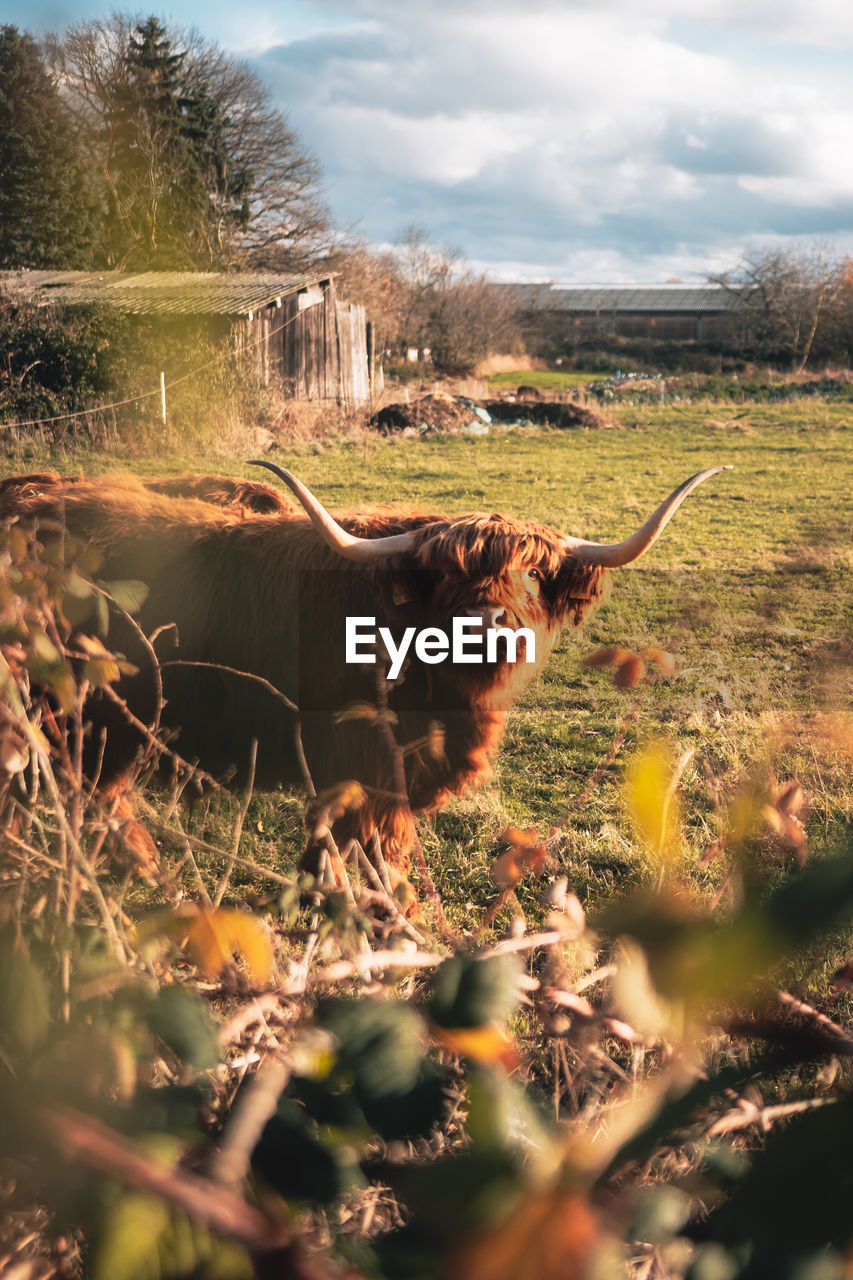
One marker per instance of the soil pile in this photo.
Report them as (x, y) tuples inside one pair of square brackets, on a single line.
[(441, 413)]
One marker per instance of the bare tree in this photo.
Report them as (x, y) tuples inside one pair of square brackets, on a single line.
[(239, 188), (451, 308), (784, 297), (371, 277)]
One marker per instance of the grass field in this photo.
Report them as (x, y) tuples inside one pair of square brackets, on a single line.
[(543, 379), (751, 587)]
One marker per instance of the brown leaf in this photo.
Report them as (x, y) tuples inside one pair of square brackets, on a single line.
[(662, 658), (551, 1237), (790, 798), (507, 869), (145, 854), (211, 937), (488, 1044), (630, 672), (14, 754), (526, 853), (613, 656)]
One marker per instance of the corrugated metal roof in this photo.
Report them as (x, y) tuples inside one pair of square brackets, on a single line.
[(643, 297), (624, 298), (158, 292)]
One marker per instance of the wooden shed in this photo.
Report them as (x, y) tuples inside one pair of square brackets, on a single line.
[(293, 328)]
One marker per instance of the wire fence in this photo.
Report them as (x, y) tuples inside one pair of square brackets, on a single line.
[(144, 395)]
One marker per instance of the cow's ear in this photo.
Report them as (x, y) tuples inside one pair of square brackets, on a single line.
[(408, 587), (582, 588)]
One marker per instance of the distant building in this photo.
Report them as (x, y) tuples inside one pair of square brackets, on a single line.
[(668, 312), (293, 328)]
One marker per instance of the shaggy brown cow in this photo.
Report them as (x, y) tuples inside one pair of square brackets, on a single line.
[(239, 580)]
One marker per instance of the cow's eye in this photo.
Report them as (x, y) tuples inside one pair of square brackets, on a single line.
[(533, 575)]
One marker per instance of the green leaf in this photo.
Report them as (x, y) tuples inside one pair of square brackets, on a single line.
[(127, 1243), (77, 586), (183, 1021), (293, 1161), (461, 1193), (140, 1238), (469, 992), (24, 1007), (800, 1178), (713, 1262), (380, 1071), (659, 1214), (502, 1118), (129, 594), (381, 1045), (58, 677)]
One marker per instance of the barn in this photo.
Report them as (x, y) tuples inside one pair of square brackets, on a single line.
[(673, 312), (293, 328)]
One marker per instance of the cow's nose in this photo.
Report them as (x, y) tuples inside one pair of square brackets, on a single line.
[(492, 616)]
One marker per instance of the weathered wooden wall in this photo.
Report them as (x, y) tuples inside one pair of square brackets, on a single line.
[(313, 344)]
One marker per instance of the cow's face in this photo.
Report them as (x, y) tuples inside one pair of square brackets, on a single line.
[(506, 573), (495, 565), (513, 574)]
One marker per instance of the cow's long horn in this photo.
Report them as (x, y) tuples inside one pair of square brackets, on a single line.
[(619, 553), (346, 544)]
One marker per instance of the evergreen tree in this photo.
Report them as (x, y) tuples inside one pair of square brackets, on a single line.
[(199, 169), (47, 211), (152, 178)]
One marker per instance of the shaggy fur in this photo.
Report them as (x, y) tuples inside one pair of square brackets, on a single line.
[(239, 579)]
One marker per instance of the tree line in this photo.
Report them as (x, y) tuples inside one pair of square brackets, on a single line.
[(135, 146)]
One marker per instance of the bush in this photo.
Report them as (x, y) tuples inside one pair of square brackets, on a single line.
[(64, 362)]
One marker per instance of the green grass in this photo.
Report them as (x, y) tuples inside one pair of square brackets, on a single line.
[(751, 586), (543, 379)]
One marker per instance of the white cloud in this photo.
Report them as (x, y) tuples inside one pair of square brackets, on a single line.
[(545, 138), (566, 137)]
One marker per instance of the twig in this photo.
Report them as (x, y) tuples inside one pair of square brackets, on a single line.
[(256, 1104), (387, 898), (497, 904), (377, 961), (238, 826), (36, 745), (398, 766), (598, 975), (203, 846), (747, 1113), (257, 1010), (613, 751), (84, 1139), (233, 671), (527, 943), (814, 1015)]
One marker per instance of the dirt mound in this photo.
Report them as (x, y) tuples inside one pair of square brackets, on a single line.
[(440, 413), (429, 413), (548, 413)]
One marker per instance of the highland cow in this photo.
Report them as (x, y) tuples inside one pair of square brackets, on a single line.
[(247, 600)]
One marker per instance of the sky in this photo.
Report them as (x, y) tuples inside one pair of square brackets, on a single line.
[(567, 140)]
